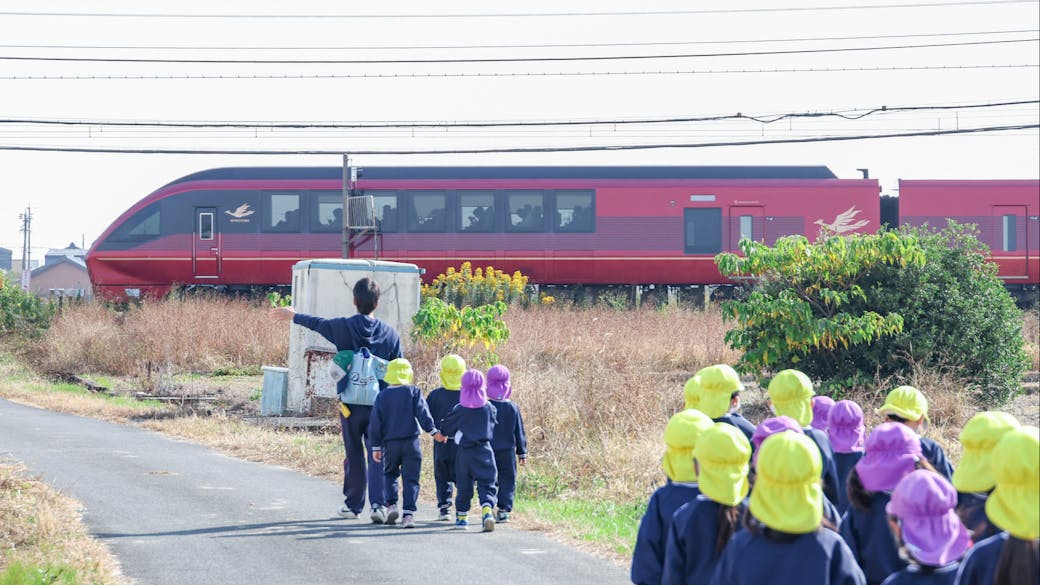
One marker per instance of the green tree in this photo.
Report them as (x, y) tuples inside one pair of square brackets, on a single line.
[(22, 312), (438, 322), (850, 309)]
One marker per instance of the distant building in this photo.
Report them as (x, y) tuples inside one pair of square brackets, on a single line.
[(5, 259), (61, 276), (71, 251)]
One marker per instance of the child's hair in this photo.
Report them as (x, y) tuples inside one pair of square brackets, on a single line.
[(1018, 562), (860, 497), (366, 295), (756, 527), (728, 520)]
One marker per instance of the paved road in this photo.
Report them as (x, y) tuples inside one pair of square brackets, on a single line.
[(178, 513)]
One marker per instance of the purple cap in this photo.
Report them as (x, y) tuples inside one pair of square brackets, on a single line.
[(498, 386), (473, 394), (893, 451), (845, 427), (926, 506), (821, 408), (772, 426)]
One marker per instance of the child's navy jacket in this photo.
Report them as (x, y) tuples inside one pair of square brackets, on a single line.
[(868, 535), (844, 463), (689, 555), (509, 431), (816, 558), (915, 575), (980, 564), (398, 413), (441, 402), (937, 457), (477, 425), (830, 471), (648, 556), (734, 418)]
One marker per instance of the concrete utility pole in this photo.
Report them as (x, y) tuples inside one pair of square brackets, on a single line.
[(26, 218)]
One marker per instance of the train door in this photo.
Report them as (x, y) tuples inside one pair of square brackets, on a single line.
[(1010, 248), (206, 244), (745, 222)]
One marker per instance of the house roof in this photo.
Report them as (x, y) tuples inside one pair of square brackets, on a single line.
[(62, 260)]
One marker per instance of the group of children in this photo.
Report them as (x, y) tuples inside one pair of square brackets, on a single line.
[(478, 434), (810, 497)]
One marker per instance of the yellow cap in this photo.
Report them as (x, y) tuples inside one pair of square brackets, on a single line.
[(452, 368), (974, 473), (722, 455), (788, 495), (692, 392), (791, 392), (680, 437), (718, 383), (398, 372), (906, 402), (1015, 503)]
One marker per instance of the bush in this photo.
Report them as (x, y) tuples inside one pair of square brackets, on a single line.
[(849, 310), (449, 328), (482, 286), (22, 312)]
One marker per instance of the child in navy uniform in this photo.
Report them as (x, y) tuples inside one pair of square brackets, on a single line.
[(509, 441), (932, 537), (847, 432), (908, 406), (472, 423), (680, 438), (973, 478), (398, 413), (442, 400), (720, 389)]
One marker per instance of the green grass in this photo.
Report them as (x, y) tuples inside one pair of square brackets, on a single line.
[(606, 523), (20, 574)]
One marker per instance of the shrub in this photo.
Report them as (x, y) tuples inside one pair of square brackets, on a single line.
[(450, 328), (851, 309), (482, 286), (22, 312)]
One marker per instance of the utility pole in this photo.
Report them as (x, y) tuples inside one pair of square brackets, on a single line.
[(26, 218)]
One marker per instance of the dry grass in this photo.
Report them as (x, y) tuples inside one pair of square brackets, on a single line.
[(1031, 333), (40, 527)]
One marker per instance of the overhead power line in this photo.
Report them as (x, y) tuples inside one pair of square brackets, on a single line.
[(590, 148), (520, 14), (763, 119), (516, 46), (511, 59)]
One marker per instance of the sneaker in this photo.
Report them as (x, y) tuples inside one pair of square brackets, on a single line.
[(461, 522), (391, 514), (345, 512), (502, 517), (488, 519), (445, 515), (378, 514), (407, 521)]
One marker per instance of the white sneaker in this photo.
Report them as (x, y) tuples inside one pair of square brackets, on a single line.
[(345, 512), (378, 514), (391, 514), (445, 515), (407, 521)]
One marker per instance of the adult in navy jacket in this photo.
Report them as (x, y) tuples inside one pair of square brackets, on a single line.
[(353, 333)]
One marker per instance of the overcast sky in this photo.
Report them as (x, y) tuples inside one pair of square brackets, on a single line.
[(74, 196)]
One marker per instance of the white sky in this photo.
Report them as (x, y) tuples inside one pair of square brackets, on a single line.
[(74, 196)]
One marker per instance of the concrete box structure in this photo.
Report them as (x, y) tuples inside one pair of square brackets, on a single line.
[(274, 390), (324, 288)]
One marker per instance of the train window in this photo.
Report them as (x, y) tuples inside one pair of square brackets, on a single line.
[(327, 211), (283, 212), (386, 210), (746, 227), (525, 211), (205, 226), (703, 230), (429, 212), (574, 211), (476, 211), (1009, 240), (144, 225)]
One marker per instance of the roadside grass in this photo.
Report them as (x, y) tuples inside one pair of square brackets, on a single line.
[(43, 539)]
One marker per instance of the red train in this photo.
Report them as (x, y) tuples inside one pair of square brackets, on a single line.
[(246, 227)]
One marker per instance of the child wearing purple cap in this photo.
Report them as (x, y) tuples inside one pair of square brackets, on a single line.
[(821, 409), (509, 441), (472, 423), (924, 522), (846, 431), (893, 451)]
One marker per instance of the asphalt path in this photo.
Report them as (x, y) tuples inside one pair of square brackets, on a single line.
[(177, 513)]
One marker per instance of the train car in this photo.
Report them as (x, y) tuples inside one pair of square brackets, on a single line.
[(246, 227), (1006, 212)]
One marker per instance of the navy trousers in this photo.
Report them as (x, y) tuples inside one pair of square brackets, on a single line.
[(475, 464), (356, 477), (505, 461), (444, 455), (402, 459)]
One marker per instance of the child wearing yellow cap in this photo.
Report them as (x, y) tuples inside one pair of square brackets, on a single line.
[(442, 400), (680, 438), (701, 529), (973, 478), (790, 395), (783, 543), (907, 405), (1013, 556), (393, 433), (692, 392), (720, 389)]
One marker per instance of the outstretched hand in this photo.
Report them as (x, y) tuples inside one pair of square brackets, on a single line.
[(282, 313), (439, 437)]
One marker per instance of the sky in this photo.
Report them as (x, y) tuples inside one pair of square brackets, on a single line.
[(781, 57)]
